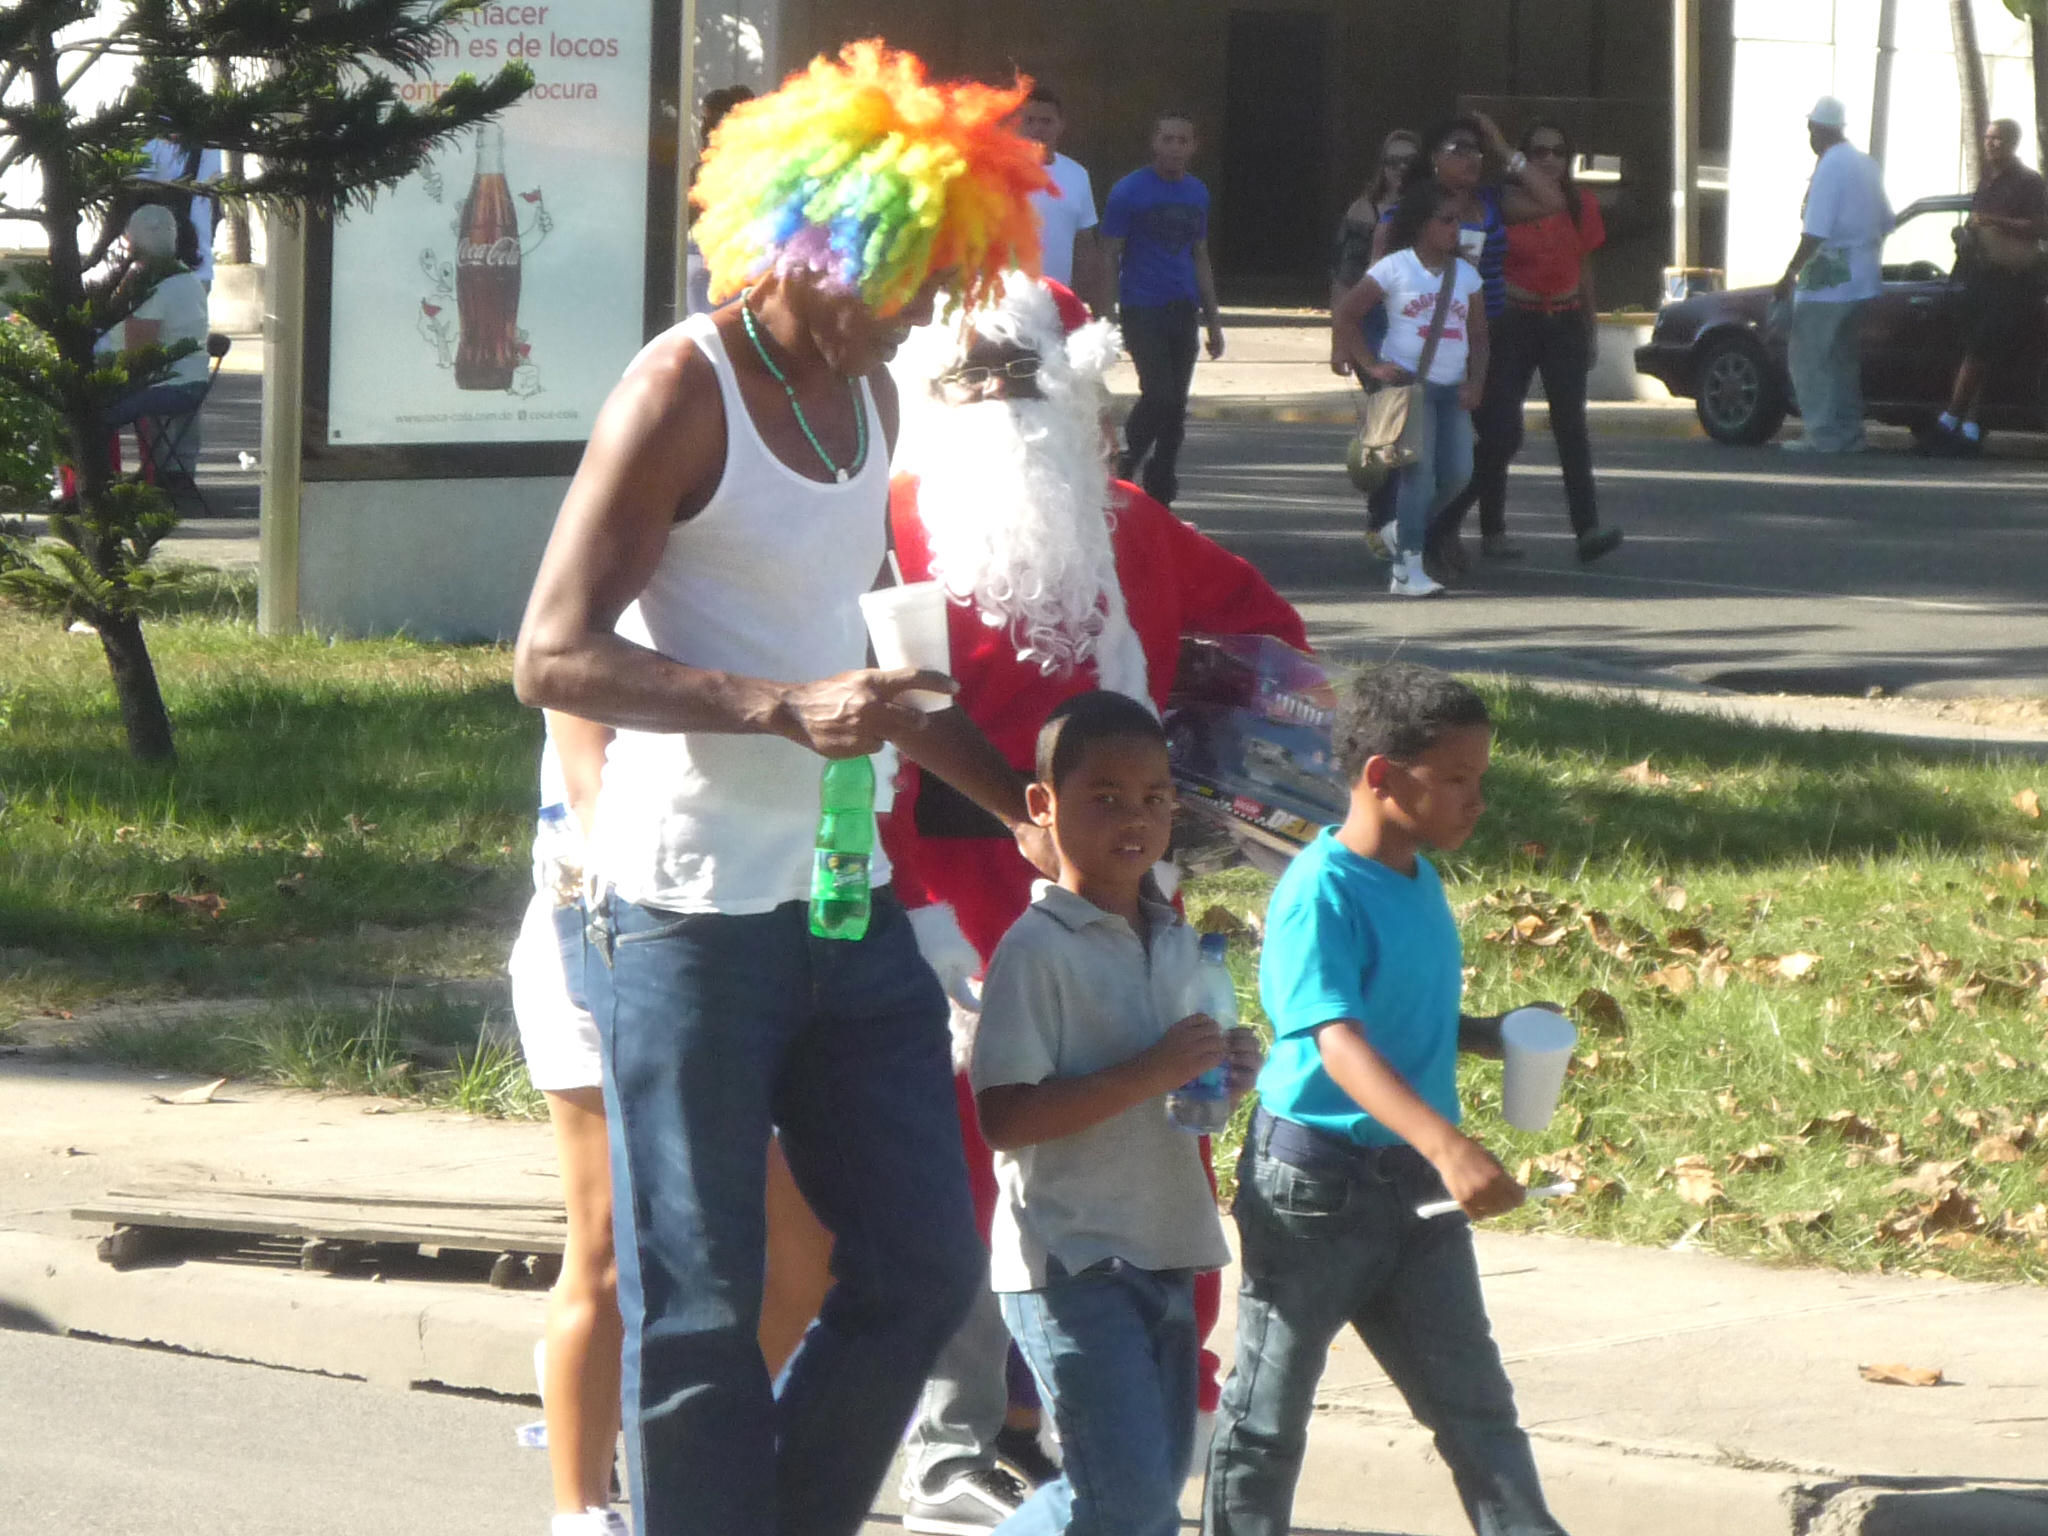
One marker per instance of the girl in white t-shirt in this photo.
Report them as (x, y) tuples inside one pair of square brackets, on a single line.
[(1422, 240)]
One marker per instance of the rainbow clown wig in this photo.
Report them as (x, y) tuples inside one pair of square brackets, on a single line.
[(863, 172)]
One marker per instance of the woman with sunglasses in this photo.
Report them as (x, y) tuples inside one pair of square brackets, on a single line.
[(1399, 153), (1550, 325), (1423, 235)]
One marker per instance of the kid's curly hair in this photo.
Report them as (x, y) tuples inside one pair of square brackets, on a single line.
[(865, 173)]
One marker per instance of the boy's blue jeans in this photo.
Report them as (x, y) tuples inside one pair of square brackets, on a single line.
[(716, 1028), (1330, 1237), (1115, 1354)]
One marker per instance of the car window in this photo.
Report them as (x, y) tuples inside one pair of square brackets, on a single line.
[(1923, 248)]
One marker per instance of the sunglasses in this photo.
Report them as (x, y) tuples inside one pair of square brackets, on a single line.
[(979, 377), (1399, 162), (1462, 147), (1546, 151)]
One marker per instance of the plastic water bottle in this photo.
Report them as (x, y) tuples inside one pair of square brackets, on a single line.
[(840, 896), (1203, 1106)]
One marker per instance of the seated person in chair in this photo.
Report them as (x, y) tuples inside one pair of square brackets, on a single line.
[(173, 311)]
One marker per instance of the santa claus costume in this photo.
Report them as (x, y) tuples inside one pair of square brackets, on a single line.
[(1062, 581)]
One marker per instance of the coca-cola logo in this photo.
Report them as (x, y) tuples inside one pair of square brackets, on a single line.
[(501, 252)]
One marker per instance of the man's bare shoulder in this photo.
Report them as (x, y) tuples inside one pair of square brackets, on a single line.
[(671, 374)]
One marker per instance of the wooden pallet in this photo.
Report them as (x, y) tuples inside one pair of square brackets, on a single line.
[(152, 1220)]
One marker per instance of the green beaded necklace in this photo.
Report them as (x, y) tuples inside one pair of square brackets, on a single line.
[(860, 415)]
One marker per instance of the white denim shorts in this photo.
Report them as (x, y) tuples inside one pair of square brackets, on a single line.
[(557, 1035)]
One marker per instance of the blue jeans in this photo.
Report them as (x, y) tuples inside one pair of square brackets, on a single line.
[(1330, 1237), (1115, 1353), (716, 1028), (1444, 439)]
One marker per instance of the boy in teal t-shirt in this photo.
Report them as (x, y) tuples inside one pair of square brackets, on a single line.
[(1358, 1126)]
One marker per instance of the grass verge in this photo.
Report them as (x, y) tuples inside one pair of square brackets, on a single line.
[(1811, 971)]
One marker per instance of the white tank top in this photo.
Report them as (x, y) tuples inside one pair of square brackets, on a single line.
[(765, 582)]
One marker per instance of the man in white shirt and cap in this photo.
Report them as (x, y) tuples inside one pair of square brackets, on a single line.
[(1832, 276)]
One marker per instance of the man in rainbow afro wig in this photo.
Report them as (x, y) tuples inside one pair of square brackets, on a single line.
[(700, 596)]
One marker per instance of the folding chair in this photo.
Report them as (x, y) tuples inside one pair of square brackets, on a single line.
[(163, 440)]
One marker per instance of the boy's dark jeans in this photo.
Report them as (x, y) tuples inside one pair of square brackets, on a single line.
[(1330, 1237), (1526, 343), (1162, 340)]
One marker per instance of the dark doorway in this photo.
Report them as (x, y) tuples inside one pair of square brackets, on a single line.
[(1271, 243)]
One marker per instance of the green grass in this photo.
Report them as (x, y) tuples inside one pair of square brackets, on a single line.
[(338, 814), (440, 1054), (362, 812), (1909, 880)]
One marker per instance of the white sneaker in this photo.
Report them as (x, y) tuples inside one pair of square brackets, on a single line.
[(1410, 579), (592, 1522)]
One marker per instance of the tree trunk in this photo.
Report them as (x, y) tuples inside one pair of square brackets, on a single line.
[(142, 702), (238, 216), (1976, 94)]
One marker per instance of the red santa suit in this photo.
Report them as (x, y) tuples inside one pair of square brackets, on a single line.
[(1171, 582)]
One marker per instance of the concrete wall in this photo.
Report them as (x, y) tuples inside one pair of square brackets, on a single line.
[(1788, 52), (437, 559)]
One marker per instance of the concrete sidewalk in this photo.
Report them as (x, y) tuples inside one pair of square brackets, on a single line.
[(1666, 1391)]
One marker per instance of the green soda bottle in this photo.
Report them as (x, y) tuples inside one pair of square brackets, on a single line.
[(846, 838)]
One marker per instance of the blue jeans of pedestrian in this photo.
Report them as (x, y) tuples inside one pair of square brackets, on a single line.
[(1443, 436), (1330, 1237), (1115, 1353), (716, 1028)]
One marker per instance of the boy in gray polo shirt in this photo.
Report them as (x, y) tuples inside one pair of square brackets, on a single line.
[(1105, 1212)]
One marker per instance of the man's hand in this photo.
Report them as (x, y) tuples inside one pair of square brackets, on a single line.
[(1339, 363), (1035, 843), (1215, 340), (1470, 391), (1187, 1050), (1244, 1054), (853, 714), (1782, 291), (1475, 1179)]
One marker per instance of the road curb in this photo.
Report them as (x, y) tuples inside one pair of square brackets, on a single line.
[(1611, 418), (397, 1333)]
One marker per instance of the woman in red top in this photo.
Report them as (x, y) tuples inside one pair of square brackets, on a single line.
[(1550, 326)]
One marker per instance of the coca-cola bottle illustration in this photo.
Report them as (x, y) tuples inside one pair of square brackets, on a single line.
[(487, 272)]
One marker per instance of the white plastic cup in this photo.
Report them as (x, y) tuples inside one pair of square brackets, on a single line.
[(1538, 1046), (908, 627)]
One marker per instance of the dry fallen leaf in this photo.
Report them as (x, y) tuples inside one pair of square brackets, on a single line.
[(1694, 1179), (1798, 964), (1996, 1149), (1536, 851), (1675, 979), (203, 1094), (1219, 919), (1760, 1158), (1671, 897), (2028, 803), (1598, 1011), (1901, 1375), (1642, 773)]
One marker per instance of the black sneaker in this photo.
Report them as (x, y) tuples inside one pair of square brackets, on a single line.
[(966, 1505), (1019, 1450), (1595, 542)]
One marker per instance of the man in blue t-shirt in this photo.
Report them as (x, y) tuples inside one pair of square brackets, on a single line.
[(1358, 1126), (1155, 238)]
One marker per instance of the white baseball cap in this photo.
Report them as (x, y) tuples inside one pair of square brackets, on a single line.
[(1829, 112)]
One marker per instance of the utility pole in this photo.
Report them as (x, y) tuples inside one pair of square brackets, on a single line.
[(1685, 138), (687, 150), (1881, 88), (284, 403)]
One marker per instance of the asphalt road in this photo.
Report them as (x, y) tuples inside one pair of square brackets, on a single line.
[(1750, 568), (108, 1440)]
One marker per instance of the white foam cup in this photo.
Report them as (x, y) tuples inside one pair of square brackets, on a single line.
[(1538, 1046), (908, 627)]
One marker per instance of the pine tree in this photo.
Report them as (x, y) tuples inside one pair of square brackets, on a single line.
[(307, 97)]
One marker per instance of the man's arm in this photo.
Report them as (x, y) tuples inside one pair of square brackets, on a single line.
[(580, 747), (1093, 281), (1471, 1174), (1205, 285), (1808, 244), (1110, 255), (656, 450)]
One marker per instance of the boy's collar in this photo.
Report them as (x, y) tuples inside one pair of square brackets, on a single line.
[(1075, 912)]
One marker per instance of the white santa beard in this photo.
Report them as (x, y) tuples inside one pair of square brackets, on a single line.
[(1014, 496)]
